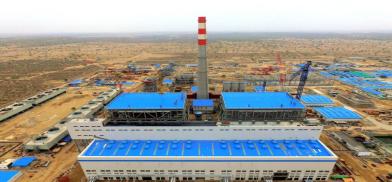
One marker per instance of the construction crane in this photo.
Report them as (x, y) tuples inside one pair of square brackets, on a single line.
[(282, 71), (303, 71)]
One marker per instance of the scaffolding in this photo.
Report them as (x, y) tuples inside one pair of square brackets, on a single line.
[(150, 85), (184, 79)]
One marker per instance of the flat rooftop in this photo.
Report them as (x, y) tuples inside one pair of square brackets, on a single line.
[(203, 103), (8, 175), (259, 88), (207, 148), (337, 113), (148, 101), (316, 100), (260, 100), (194, 89), (23, 161)]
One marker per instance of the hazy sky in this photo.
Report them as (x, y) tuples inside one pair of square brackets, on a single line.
[(90, 16)]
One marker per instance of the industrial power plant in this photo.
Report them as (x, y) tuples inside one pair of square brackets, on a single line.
[(148, 136), (167, 120)]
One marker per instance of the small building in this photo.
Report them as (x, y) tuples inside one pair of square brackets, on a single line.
[(167, 82), (259, 88), (203, 105), (75, 83), (6, 164), (194, 89), (316, 100), (338, 114), (23, 161)]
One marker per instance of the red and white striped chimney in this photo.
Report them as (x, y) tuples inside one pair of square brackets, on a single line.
[(202, 33), (202, 92)]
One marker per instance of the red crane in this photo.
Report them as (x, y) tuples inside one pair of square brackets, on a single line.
[(282, 71)]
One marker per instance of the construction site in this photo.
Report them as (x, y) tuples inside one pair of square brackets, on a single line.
[(142, 112)]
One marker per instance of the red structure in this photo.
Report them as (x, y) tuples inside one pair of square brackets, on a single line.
[(282, 70), (202, 32)]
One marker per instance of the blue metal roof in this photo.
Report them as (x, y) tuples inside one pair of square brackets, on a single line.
[(147, 100), (337, 113), (194, 88), (316, 99), (23, 161), (76, 82), (369, 85), (127, 83), (371, 91), (8, 175), (167, 81), (208, 148), (384, 73), (203, 103), (259, 88), (260, 100)]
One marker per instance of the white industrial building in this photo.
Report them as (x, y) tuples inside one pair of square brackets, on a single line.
[(131, 145), (202, 152)]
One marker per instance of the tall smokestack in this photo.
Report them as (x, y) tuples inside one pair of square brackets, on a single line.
[(202, 92)]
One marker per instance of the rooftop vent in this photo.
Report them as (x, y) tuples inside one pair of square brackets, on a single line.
[(41, 138), (77, 113), (53, 129), (63, 121), (6, 109)]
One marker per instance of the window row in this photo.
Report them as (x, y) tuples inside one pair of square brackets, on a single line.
[(274, 129)]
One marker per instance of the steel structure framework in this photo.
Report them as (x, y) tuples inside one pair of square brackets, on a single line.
[(124, 116), (262, 115)]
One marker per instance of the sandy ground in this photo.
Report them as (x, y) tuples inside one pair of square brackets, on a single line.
[(60, 163)]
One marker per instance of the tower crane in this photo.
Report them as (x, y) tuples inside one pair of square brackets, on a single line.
[(282, 71), (303, 71)]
